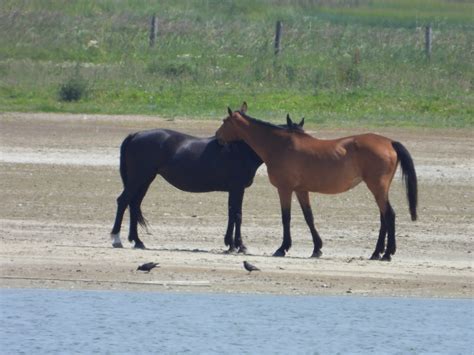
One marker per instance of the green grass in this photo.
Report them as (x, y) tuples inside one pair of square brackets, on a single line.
[(343, 62)]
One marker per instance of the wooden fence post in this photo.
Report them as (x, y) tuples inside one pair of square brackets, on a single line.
[(428, 41), (277, 37), (153, 30)]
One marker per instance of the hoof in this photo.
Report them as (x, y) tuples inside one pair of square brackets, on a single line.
[(243, 249), (386, 257), (139, 245), (317, 254), (231, 250), (279, 253), (117, 245), (375, 256)]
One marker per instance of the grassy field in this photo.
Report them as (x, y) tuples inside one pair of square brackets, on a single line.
[(342, 63)]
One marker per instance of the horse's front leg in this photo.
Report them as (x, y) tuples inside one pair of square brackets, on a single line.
[(239, 197), (303, 198), (285, 203), (235, 219), (229, 237)]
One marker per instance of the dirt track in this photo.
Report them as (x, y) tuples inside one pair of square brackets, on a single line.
[(59, 181)]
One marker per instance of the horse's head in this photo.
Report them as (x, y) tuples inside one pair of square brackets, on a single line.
[(227, 132)]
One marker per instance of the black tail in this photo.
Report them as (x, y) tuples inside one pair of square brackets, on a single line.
[(409, 177), (142, 221), (123, 164)]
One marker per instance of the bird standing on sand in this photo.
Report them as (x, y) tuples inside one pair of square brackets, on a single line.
[(249, 267), (147, 267)]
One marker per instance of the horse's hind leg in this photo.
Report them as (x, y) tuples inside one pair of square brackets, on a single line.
[(303, 198), (380, 247), (387, 221), (389, 217), (285, 203), (122, 202), (136, 215)]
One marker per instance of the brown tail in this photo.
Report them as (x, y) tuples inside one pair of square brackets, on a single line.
[(408, 176)]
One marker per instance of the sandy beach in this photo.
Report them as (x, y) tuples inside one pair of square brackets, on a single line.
[(59, 181)]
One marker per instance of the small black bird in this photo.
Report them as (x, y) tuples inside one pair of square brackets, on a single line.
[(147, 267), (249, 267)]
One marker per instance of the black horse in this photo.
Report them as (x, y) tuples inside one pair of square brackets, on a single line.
[(191, 164)]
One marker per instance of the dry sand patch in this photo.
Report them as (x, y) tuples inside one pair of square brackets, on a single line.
[(59, 181)]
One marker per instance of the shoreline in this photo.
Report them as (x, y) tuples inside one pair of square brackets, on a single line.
[(231, 294)]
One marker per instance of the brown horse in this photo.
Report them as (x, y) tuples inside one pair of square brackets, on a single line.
[(297, 162)]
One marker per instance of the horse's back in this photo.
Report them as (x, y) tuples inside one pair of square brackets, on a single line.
[(372, 154), (159, 137), (372, 141), (214, 168), (146, 152), (191, 163), (331, 165), (369, 144)]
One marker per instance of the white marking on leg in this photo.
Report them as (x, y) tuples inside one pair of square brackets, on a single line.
[(116, 242)]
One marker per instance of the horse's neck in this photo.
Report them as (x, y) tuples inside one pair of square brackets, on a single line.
[(261, 139)]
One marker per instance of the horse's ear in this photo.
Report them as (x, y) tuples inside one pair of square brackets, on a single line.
[(244, 107), (229, 111), (289, 122), (301, 124)]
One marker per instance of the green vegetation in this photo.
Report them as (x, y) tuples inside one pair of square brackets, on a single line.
[(342, 63)]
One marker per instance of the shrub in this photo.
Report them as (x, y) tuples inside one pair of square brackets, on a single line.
[(73, 89)]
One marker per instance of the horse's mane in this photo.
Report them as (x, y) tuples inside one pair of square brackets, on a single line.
[(294, 126)]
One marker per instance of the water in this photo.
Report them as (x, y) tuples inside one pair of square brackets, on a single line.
[(53, 321)]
